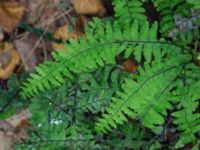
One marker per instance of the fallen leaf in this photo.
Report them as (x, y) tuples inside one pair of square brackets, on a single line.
[(19, 117), (81, 23), (1, 34), (9, 58), (89, 7), (6, 136), (57, 46), (130, 66), (24, 124), (63, 34), (10, 15), (24, 47), (41, 13), (9, 133)]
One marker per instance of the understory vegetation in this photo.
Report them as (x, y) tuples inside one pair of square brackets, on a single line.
[(85, 99)]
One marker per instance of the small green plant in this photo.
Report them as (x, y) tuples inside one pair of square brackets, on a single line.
[(99, 97)]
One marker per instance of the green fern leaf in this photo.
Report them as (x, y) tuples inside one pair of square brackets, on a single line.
[(166, 9), (95, 51), (127, 11), (144, 99), (187, 118), (195, 3)]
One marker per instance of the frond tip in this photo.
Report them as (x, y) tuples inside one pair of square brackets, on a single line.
[(48, 75), (127, 11)]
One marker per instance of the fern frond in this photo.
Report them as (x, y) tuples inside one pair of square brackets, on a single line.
[(188, 124), (127, 11), (47, 75), (83, 136), (187, 118), (95, 91), (145, 99), (195, 3), (166, 9), (89, 53)]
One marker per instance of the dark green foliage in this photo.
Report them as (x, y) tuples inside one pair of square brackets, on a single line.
[(194, 3), (179, 19), (95, 97), (70, 113), (138, 101), (10, 100), (126, 11)]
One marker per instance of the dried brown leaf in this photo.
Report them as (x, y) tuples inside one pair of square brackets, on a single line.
[(89, 7), (10, 15), (9, 133), (130, 66), (18, 118), (63, 34), (24, 47), (9, 58)]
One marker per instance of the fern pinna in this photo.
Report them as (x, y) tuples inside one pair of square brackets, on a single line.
[(165, 84)]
